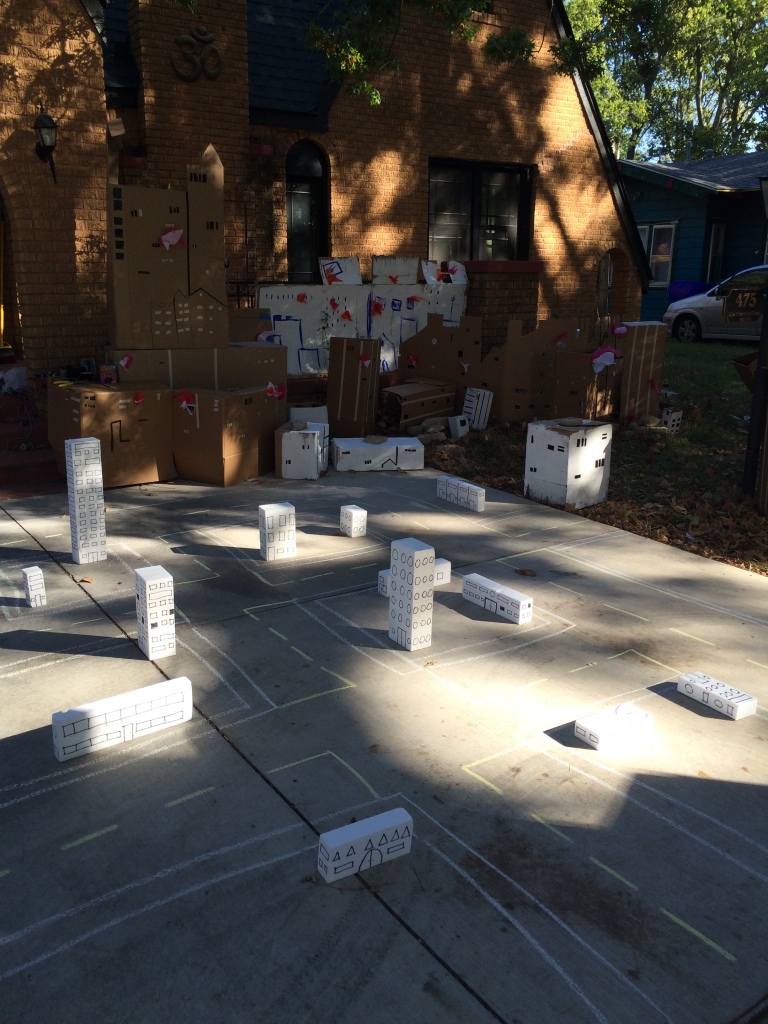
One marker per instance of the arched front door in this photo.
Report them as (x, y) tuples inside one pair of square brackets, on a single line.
[(307, 210)]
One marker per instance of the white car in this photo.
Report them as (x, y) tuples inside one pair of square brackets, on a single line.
[(701, 316)]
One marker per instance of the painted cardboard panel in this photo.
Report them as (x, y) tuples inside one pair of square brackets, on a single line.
[(104, 723), (353, 386), (246, 324), (131, 421), (341, 270), (447, 272), (579, 391), (395, 270), (225, 437), (408, 404), (645, 346), (216, 368), (205, 198), (201, 321)]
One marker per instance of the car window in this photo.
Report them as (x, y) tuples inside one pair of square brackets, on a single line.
[(749, 279)]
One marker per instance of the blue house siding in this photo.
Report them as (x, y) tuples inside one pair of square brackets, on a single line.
[(744, 217)]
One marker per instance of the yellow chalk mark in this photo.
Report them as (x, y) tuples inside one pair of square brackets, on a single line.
[(330, 672), (581, 668), (276, 633), (89, 837), (202, 564), (625, 612), (692, 637), (552, 828), (699, 935), (534, 682), (263, 580), (419, 523), (190, 796), (7, 871), (480, 778), (328, 753), (561, 587), (526, 534), (758, 663), (323, 693), (615, 874), (491, 757), (520, 554), (303, 655)]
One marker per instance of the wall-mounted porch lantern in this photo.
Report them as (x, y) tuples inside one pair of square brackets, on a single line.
[(45, 130)]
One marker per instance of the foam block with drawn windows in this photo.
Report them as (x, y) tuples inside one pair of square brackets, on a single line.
[(460, 492), (616, 728), (719, 696), (364, 844), (442, 572), (155, 616), (353, 520), (86, 499), (34, 586), (493, 597), (277, 531), (411, 593), (384, 577), (104, 723)]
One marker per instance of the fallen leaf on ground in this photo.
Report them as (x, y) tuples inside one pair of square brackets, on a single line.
[(85, 579), (525, 572), (430, 663)]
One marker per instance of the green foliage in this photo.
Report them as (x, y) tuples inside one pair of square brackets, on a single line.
[(360, 43), (673, 73)]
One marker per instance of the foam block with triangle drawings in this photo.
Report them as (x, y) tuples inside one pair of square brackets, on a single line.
[(364, 844)]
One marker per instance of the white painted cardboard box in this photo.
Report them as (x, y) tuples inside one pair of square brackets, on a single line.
[(493, 597), (353, 520), (461, 492), (364, 844), (155, 613), (105, 723), (34, 586), (395, 453), (617, 727), (720, 697), (411, 589), (277, 531), (304, 452), (568, 465)]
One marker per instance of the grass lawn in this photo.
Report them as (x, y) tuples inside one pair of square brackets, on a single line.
[(682, 489)]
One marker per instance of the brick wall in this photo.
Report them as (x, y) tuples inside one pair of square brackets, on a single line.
[(57, 231)]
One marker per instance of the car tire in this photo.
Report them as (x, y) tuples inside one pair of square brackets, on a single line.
[(687, 328)]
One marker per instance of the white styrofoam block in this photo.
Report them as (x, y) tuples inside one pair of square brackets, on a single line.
[(462, 493), (568, 466), (477, 407), (411, 590), (364, 844), (716, 695), (304, 452), (113, 720), (672, 419), (309, 413), (384, 577), (617, 727), (353, 520), (458, 426), (85, 493), (509, 604), (155, 616), (442, 572), (34, 586), (395, 453), (277, 531), (325, 441)]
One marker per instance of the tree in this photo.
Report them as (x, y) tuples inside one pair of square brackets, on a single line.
[(673, 74)]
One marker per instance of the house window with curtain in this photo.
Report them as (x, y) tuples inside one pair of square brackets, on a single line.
[(479, 211), (716, 246), (659, 242)]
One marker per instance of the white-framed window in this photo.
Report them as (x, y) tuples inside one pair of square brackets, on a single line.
[(659, 242)]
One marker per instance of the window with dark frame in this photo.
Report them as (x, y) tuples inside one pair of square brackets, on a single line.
[(479, 211)]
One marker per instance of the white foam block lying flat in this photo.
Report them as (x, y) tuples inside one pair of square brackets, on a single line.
[(384, 577), (462, 493), (104, 723), (716, 695), (620, 726), (442, 572), (364, 844), (488, 594)]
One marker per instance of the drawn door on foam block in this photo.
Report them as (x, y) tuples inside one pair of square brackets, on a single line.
[(490, 606), (401, 636), (372, 857), (127, 732)]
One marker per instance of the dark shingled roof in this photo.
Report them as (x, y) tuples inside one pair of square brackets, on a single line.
[(716, 174), (288, 82)]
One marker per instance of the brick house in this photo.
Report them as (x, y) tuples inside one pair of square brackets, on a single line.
[(508, 170)]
